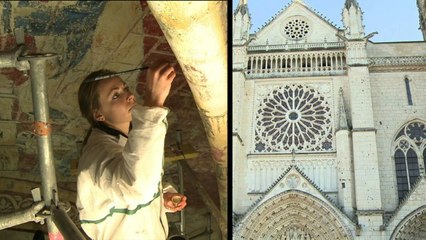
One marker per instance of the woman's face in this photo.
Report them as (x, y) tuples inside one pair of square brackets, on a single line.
[(115, 101)]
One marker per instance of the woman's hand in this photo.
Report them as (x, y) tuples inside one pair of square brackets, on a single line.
[(174, 201), (159, 80)]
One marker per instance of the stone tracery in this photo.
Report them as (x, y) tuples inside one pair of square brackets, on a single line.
[(293, 117), (409, 145), (296, 28), (414, 226)]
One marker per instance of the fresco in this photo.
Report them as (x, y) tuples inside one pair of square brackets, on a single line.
[(86, 36)]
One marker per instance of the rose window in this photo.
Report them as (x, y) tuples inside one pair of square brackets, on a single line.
[(415, 131), (293, 117), (296, 29)]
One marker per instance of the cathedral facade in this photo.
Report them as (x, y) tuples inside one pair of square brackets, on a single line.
[(329, 129)]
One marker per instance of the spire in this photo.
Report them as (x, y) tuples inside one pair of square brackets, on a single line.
[(242, 2), (242, 23), (242, 7), (352, 20), (348, 4), (343, 121)]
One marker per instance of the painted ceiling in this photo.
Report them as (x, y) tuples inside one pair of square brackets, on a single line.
[(86, 36)]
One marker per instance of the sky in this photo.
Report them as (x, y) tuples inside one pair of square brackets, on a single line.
[(394, 20)]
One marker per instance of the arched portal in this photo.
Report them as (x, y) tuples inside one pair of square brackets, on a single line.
[(293, 215), (412, 227)]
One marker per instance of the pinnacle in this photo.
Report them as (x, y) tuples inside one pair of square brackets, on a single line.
[(348, 3)]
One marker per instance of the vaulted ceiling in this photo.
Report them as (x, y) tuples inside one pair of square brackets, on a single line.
[(86, 36)]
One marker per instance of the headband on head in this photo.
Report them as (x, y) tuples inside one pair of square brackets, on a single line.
[(113, 75)]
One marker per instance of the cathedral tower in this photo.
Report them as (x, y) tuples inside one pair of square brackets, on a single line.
[(328, 128), (366, 167), (240, 39)]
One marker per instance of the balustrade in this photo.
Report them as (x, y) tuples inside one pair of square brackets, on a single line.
[(288, 64)]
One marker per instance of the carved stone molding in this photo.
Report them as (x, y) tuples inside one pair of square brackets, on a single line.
[(412, 227), (396, 64), (293, 117), (293, 181), (263, 173), (293, 214), (369, 212), (386, 61)]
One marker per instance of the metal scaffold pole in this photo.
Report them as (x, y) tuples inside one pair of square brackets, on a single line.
[(58, 219), (42, 130), (59, 224)]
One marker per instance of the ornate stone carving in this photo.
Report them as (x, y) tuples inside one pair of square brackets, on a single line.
[(295, 233), (295, 28), (395, 64), (393, 61), (314, 168), (293, 215), (294, 117), (409, 146), (412, 227), (293, 181), (277, 65)]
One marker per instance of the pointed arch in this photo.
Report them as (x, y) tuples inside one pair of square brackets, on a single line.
[(408, 151), (293, 215), (413, 226)]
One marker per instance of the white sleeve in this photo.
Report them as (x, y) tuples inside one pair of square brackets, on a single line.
[(134, 174)]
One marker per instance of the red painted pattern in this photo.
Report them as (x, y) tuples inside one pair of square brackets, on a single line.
[(7, 43), (14, 75), (164, 47), (27, 162), (218, 154), (150, 26), (148, 43)]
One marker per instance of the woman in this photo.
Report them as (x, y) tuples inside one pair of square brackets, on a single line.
[(119, 188)]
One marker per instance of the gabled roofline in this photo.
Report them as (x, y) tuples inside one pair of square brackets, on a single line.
[(255, 203), (404, 200), (314, 11)]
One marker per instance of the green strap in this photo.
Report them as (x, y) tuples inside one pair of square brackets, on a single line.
[(121, 210)]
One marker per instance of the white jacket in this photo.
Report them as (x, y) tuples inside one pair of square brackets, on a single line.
[(119, 192)]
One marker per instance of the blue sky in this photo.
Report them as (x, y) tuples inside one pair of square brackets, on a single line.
[(396, 20)]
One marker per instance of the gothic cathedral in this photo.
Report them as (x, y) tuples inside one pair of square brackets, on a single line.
[(328, 131)]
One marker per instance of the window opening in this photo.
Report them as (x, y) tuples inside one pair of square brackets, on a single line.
[(409, 145), (407, 88), (293, 117)]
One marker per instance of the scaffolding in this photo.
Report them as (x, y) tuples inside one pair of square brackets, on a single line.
[(46, 207)]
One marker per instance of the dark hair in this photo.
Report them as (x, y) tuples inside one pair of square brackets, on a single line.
[(88, 97)]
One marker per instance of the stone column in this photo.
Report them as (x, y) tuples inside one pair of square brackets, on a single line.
[(197, 34), (366, 164), (344, 161)]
